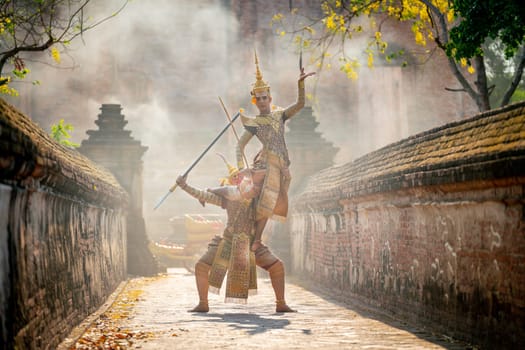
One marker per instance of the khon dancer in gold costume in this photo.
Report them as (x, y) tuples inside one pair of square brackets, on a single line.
[(268, 127), (230, 255)]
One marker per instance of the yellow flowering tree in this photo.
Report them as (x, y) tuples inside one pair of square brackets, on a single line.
[(28, 26), (458, 27)]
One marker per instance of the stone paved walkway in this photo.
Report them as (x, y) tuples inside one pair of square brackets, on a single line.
[(320, 323)]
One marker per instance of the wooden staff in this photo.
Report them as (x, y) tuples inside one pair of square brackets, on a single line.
[(234, 131), (198, 159)]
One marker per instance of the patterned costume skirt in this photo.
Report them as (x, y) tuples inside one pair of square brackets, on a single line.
[(242, 278), (273, 200)]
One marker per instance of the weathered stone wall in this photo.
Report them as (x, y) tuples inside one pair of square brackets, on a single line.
[(62, 235), (431, 228)]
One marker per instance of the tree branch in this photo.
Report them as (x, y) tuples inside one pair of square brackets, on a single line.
[(442, 41), (515, 80), (481, 84), (441, 20), (462, 80), (43, 23)]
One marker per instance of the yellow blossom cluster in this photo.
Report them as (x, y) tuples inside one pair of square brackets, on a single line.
[(5, 22), (337, 21), (5, 89), (418, 12), (349, 67), (301, 42), (277, 17), (464, 63), (55, 54)]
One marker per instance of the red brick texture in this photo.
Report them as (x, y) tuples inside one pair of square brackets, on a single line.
[(430, 228)]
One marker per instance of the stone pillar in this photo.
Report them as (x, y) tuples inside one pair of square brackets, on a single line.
[(114, 148)]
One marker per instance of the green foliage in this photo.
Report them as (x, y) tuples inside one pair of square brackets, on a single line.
[(519, 95), (21, 74), (60, 133), (482, 19), (500, 73)]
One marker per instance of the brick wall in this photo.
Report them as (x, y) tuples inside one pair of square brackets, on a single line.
[(62, 235), (430, 228)]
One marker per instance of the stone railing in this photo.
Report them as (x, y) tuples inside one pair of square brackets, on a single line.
[(430, 228), (62, 235)]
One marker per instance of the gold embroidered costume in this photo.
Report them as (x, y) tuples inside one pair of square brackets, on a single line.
[(231, 255), (269, 130)]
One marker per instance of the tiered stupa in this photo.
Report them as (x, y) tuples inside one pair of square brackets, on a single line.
[(113, 147)]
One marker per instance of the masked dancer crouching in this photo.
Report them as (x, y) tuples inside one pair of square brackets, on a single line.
[(230, 254)]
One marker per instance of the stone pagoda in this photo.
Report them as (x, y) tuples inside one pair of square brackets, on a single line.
[(309, 151), (113, 147)]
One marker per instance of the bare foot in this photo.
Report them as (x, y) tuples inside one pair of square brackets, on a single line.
[(256, 245), (282, 307), (201, 307)]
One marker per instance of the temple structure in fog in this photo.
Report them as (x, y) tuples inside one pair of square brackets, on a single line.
[(113, 147)]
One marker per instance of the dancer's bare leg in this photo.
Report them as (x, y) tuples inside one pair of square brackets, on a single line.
[(276, 272), (201, 278)]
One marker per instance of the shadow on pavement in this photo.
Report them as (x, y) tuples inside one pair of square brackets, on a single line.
[(369, 311), (251, 323)]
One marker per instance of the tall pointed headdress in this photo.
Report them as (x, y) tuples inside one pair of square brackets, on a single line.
[(232, 172), (260, 84)]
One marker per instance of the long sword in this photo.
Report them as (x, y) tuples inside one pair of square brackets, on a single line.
[(172, 188)]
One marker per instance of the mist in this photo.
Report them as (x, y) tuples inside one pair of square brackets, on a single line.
[(167, 62)]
